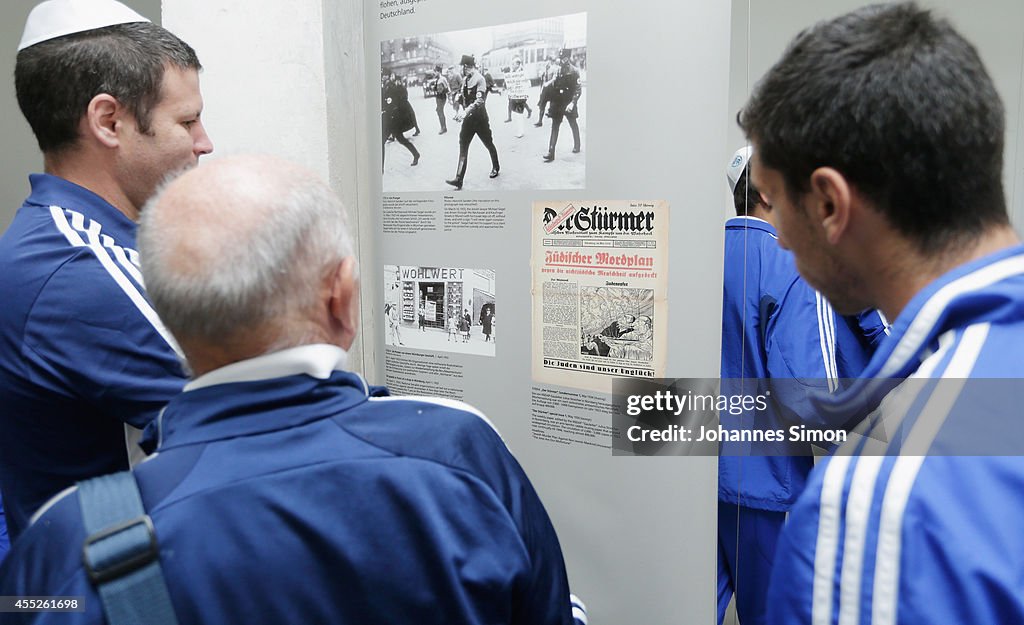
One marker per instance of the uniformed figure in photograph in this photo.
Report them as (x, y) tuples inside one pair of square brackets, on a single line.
[(397, 116), (440, 89), (474, 120), (565, 94)]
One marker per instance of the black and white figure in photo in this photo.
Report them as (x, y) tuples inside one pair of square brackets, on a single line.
[(564, 101), (547, 83), (450, 309), (454, 77), (475, 122), (530, 71), (487, 322), (438, 85), (397, 114), (518, 102), (394, 334), (617, 323)]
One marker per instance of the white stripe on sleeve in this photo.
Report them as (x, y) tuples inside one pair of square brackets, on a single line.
[(826, 338), (889, 549), (827, 544)]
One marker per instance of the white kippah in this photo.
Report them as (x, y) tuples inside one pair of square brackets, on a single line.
[(737, 165), (56, 18)]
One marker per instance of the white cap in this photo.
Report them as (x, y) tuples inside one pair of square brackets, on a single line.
[(737, 165), (56, 18)]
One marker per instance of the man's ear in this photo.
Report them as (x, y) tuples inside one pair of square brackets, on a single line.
[(830, 202), (344, 301), (103, 119)]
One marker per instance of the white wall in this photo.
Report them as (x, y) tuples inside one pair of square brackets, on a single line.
[(995, 27), (272, 84)]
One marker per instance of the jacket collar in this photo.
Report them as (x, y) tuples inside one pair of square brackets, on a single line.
[(745, 221), (49, 190), (275, 391), (317, 361), (989, 289)]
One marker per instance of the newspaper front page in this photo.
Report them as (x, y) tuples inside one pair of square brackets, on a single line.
[(600, 275)]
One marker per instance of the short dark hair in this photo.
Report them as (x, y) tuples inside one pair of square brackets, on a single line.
[(745, 196), (56, 79), (901, 104)]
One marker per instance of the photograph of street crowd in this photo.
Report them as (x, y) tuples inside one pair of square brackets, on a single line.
[(495, 108)]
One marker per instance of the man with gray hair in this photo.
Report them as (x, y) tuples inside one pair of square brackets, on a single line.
[(285, 489), (114, 103)]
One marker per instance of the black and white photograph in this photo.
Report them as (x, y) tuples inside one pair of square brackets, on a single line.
[(494, 108), (447, 309), (617, 323)]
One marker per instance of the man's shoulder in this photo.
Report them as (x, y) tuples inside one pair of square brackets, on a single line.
[(999, 353), (751, 227), (443, 431), (38, 240), (49, 270), (58, 524), (89, 287), (446, 421)]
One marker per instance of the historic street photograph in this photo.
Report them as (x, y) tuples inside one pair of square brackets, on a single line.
[(494, 108), (448, 309)]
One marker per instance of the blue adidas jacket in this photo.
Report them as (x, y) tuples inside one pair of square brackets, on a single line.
[(286, 491), (918, 522), (81, 350), (775, 326)]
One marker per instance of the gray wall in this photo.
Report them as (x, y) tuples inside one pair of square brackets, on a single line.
[(995, 27), (20, 156)]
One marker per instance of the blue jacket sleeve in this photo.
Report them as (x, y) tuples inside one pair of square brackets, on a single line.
[(545, 599), (800, 352), (94, 340)]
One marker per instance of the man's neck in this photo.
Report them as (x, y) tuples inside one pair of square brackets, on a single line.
[(88, 173), (758, 211), (908, 270)]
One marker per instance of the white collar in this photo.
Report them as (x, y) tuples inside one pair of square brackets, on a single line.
[(318, 361)]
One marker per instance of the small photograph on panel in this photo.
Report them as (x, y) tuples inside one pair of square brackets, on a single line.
[(495, 108), (447, 309)]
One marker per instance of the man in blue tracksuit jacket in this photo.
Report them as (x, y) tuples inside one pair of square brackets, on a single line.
[(774, 326), (890, 195), (284, 489), (114, 104)]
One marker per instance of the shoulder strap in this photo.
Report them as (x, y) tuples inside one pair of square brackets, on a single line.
[(121, 552)]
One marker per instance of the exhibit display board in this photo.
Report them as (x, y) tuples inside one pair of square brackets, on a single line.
[(561, 233)]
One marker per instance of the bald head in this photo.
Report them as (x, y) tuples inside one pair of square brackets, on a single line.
[(240, 253)]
